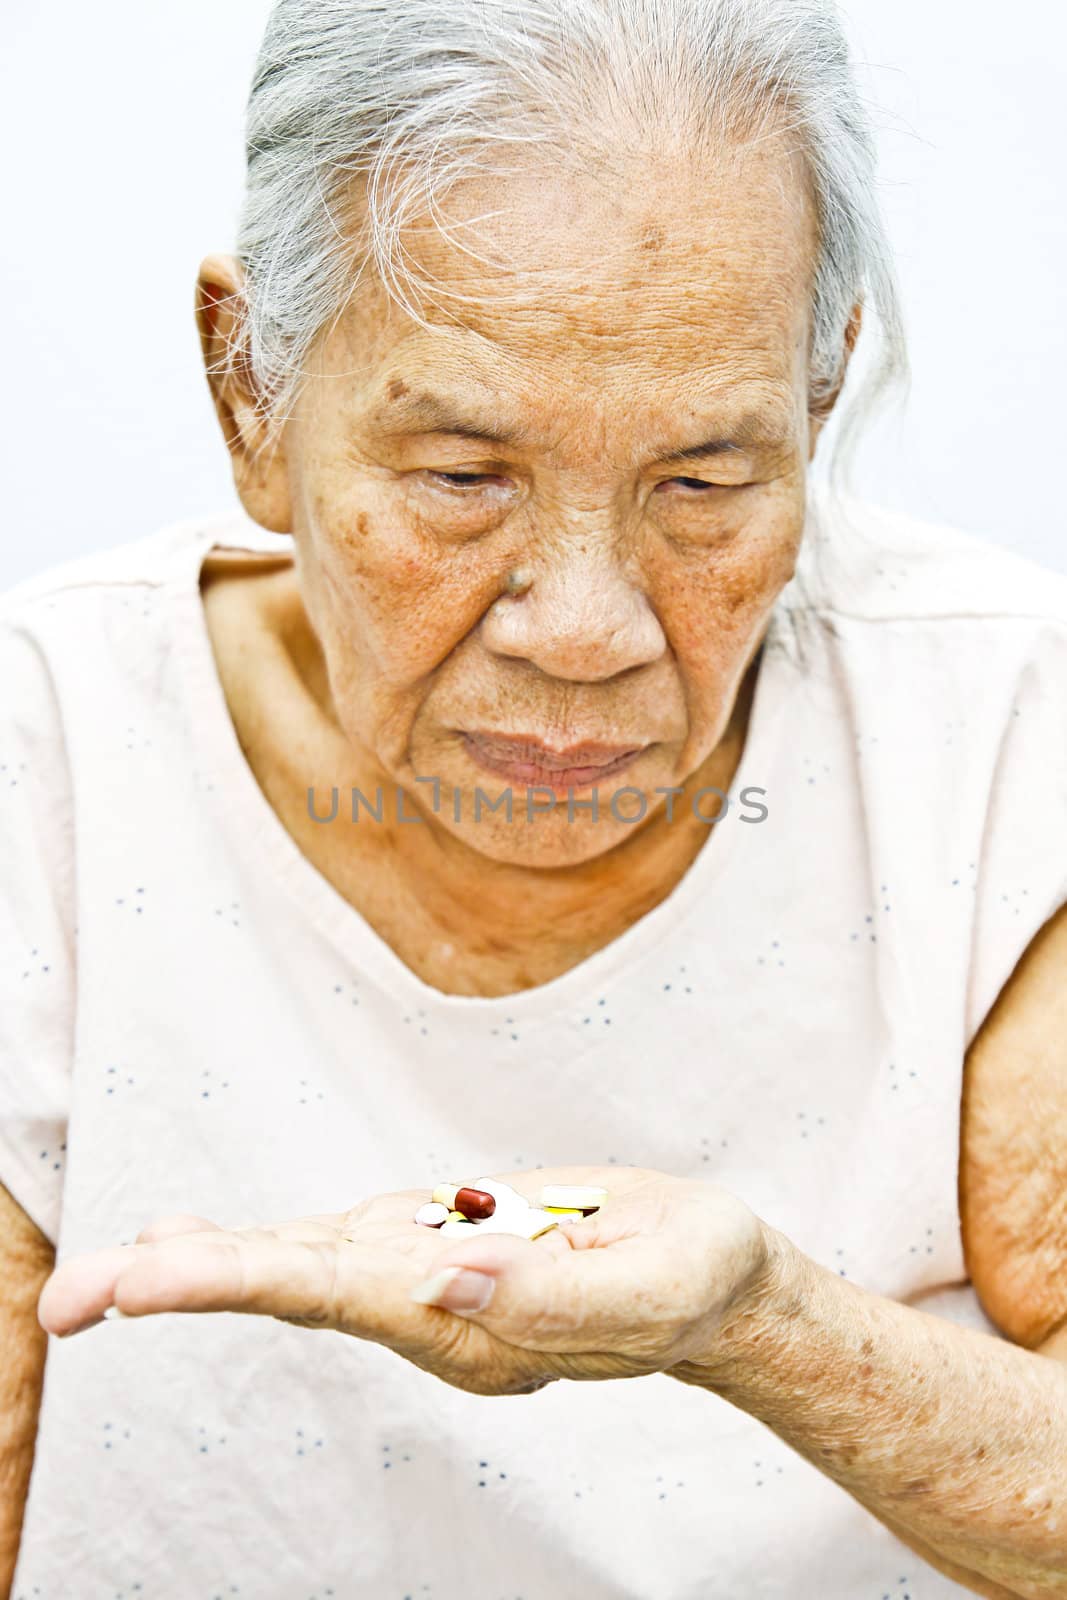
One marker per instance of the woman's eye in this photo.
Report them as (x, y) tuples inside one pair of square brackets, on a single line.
[(463, 480)]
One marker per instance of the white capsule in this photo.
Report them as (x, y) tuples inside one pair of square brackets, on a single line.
[(507, 1198), (573, 1196), (432, 1214), (530, 1223)]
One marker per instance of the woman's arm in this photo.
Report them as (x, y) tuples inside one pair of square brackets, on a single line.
[(956, 1440), (1057, 1347), (26, 1259)]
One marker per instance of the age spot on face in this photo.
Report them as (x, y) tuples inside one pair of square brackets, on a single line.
[(397, 389)]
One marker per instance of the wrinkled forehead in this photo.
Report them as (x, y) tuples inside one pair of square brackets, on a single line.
[(687, 237), (633, 272)]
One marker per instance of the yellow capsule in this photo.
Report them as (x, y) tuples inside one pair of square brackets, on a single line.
[(538, 1226), (562, 1211), (457, 1216)]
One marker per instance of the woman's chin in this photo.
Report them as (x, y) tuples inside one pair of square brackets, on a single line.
[(545, 836)]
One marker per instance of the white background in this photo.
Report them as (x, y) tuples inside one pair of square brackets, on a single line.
[(121, 124)]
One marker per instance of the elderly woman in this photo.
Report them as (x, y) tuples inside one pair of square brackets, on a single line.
[(536, 782)]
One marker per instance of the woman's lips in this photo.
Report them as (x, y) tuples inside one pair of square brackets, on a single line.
[(528, 761)]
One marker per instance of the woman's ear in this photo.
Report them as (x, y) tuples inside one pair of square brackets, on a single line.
[(260, 469), (820, 410)]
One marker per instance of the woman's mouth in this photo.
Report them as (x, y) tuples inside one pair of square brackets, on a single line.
[(526, 760)]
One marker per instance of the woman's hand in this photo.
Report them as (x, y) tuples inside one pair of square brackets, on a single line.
[(655, 1279)]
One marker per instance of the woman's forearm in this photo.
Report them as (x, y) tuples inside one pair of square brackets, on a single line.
[(956, 1440)]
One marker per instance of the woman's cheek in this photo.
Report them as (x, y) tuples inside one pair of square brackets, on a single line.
[(410, 604), (747, 585), (754, 563), (713, 609), (706, 605)]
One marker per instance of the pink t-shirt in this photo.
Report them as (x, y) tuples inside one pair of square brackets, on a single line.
[(194, 1019)]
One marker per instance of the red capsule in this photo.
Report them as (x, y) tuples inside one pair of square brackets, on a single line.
[(474, 1203)]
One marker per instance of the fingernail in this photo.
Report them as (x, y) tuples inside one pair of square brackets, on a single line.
[(455, 1289)]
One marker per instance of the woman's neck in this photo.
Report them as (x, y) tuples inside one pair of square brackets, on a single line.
[(461, 921)]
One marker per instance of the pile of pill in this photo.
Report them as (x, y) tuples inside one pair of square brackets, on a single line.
[(457, 1209)]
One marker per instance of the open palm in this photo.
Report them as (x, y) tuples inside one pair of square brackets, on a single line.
[(644, 1285)]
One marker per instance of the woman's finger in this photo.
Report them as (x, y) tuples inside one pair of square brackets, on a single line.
[(566, 1301), (323, 1225), (248, 1271), (309, 1230), (363, 1290), (168, 1227), (81, 1290)]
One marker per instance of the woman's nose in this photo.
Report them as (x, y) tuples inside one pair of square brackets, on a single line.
[(580, 619)]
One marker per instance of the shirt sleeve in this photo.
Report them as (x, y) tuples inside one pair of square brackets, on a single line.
[(1020, 876), (37, 930)]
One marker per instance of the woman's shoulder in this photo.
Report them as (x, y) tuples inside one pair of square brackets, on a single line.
[(86, 642), (927, 629), (170, 554), (866, 563), (88, 634)]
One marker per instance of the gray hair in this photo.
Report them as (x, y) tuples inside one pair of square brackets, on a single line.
[(410, 98)]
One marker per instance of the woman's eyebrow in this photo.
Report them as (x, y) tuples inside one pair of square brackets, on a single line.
[(710, 447), (750, 431), (428, 413)]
